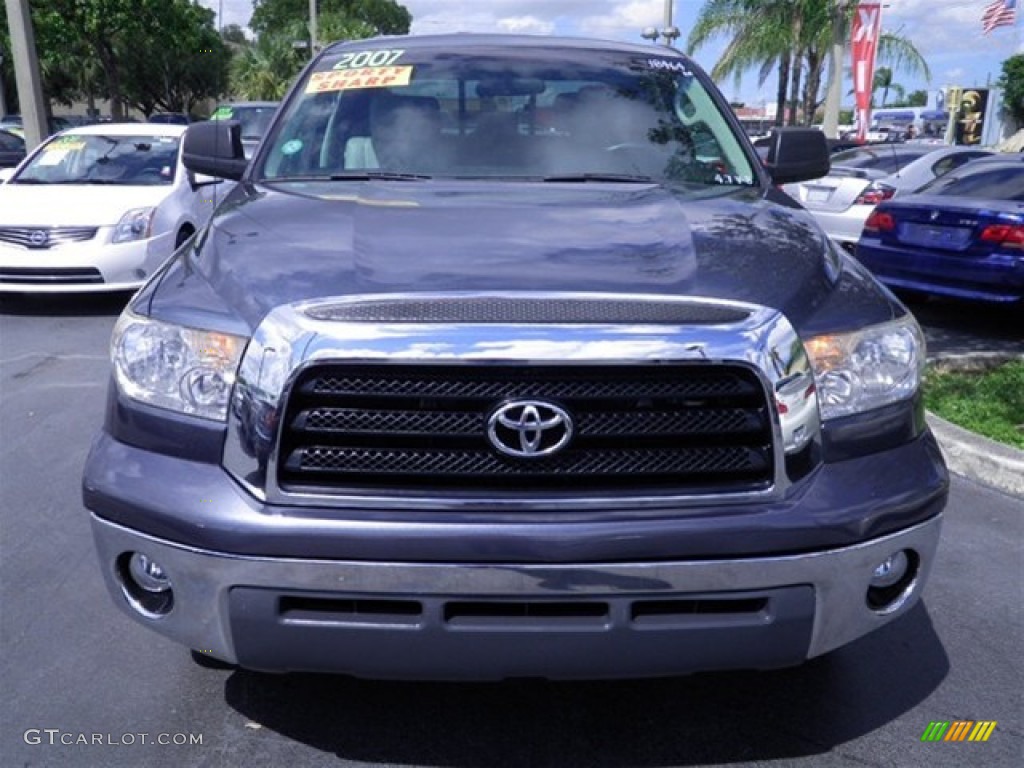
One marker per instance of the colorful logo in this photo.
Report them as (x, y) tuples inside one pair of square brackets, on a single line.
[(958, 730)]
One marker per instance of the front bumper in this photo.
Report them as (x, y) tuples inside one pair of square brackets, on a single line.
[(93, 266), (996, 277), (499, 620)]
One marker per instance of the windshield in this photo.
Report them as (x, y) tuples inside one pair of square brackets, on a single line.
[(531, 113), (880, 158), (75, 158), (254, 118)]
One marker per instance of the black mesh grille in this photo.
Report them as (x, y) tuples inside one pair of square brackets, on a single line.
[(643, 428), (497, 309)]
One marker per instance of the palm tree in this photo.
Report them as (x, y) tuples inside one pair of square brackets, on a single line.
[(264, 71), (762, 37), (794, 36), (883, 79)]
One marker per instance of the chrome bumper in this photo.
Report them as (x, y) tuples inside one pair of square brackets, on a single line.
[(203, 582)]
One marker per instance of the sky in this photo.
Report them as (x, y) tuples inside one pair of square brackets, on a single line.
[(947, 32)]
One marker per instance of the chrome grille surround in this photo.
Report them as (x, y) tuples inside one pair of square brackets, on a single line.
[(42, 238), (294, 339)]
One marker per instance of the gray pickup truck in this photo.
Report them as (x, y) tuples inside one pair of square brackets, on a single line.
[(507, 358)]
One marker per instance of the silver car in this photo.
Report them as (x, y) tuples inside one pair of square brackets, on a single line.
[(865, 176)]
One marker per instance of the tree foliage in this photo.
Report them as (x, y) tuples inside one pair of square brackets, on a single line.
[(266, 69), (151, 54), (1012, 82), (382, 17)]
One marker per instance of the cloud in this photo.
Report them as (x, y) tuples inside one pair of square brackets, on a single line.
[(526, 25)]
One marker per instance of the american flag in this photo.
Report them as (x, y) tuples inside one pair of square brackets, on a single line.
[(998, 14)]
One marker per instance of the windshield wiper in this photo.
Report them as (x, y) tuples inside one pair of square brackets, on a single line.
[(377, 175), (354, 176), (629, 178)]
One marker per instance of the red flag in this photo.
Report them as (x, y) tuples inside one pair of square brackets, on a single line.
[(867, 24)]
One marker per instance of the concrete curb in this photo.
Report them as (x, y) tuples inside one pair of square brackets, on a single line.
[(982, 460)]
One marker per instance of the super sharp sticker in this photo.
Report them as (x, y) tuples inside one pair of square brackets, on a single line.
[(352, 79)]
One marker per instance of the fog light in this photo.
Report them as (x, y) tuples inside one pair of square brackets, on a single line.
[(892, 581), (147, 573), (145, 585), (890, 570)]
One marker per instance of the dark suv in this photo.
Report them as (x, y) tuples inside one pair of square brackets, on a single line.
[(507, 358)]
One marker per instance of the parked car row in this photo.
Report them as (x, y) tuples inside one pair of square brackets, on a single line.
[(945, 221), (100, 207), (866, 175), (930, 245)]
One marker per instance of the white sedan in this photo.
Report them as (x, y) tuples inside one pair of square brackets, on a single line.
[(98, 208)]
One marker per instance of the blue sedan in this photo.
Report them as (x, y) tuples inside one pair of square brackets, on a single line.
[(961, 235)]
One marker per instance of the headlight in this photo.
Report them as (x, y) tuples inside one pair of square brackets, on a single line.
[(169, 366), (868, 368), (135, 225)]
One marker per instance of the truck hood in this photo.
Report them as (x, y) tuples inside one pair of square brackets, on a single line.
[(272, 246)]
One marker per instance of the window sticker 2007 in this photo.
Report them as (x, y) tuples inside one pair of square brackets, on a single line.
[(359, 59), (362, 69)]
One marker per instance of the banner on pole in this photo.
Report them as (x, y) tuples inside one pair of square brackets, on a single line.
[(867, 25)]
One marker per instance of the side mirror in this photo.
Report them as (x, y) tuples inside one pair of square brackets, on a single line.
[(214, 148), (797, 154)]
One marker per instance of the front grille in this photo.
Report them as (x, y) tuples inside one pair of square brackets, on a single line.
[(687, 427), (50, 276), (45, 237)]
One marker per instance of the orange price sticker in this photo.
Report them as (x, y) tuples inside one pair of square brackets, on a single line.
[(352, 79)]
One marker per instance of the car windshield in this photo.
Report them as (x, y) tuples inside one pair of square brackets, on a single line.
[(884, 157), (77, 158), (529, 113), (987, 182), (254, 118)]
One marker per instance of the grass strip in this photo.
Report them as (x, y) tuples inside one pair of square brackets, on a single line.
[(988, 403)]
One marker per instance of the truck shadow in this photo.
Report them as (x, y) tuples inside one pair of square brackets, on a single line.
[(707, 718), (64, 305)]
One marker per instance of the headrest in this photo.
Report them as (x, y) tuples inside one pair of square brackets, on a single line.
[(386, 104)]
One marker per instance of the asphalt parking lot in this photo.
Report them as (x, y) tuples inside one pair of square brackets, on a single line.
[(74, 667)]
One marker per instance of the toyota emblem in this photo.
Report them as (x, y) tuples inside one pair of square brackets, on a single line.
[(38, 237), (529, 428)]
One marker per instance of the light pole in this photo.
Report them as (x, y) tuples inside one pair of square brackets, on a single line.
[(670, 32), (3, 102), (312, 29)]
